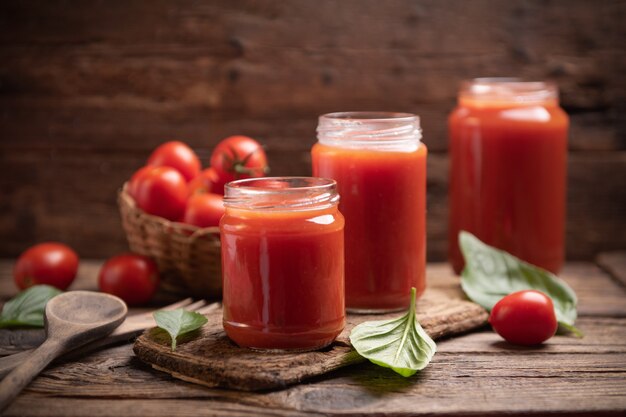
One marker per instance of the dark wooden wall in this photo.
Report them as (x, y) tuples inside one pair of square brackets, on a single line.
[(88, 88)]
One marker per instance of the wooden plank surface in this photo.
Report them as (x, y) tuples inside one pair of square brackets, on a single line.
[(103, 71), (211, 359), (88, 88), (476, 374), (614, 263)]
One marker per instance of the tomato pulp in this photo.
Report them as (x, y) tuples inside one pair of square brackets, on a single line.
[(383, 198), (283, 276), (508, 176)]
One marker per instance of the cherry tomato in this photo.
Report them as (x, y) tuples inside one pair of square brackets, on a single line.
[(204, 210), (133, 278), (48, 263), (239, 157), (161, 191), (177, 155), (134, 180), (524, 318), (206, 182)]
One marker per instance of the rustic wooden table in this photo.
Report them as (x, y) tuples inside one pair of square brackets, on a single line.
[(475, 374)]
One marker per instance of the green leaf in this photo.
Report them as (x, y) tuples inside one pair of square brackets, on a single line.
[(28, 307), (178, 322), (491, 274), (400, 344)]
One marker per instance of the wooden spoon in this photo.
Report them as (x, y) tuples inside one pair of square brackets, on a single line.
[(72, 319)]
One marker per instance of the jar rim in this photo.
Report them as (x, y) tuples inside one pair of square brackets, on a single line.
[(288, 192), (376, 130), (507, 89), (369, 116)]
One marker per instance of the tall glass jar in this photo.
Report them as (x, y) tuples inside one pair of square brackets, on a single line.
[(508, 151), (380, 168), (282, 263)]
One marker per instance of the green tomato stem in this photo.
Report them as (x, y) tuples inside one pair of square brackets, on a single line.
[(572, 329)]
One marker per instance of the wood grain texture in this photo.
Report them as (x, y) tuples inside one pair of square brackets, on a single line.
[(15, 341), (110, 370), (508, 380), (614, 263), (210, 358), (186, 407), (476, 374), (88, 88), (208, 66)]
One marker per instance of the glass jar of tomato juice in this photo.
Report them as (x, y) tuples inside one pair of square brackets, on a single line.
[(282, 263), (508, 151), (379, 164)]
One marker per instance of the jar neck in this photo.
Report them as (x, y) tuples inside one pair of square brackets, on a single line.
[(370, 130), (507, 92), (281, 194)]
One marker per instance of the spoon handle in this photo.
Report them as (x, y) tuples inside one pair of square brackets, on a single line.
[(9, 363), (20, 377)]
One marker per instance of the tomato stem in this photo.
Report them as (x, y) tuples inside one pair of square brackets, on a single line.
[(238, 166)]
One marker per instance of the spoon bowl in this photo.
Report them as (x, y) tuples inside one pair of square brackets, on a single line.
[(77, 310), (72, 319)]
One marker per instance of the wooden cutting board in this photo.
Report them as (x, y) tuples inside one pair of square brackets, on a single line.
[(210, 358)]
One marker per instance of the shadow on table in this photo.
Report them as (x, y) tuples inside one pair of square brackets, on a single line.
[(503, 345)]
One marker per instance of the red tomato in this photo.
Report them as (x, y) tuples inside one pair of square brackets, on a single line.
[(524, 318), (134, 180), (239, 157), (48, 263), (161, 191), (177, 155), (204, 210), (133, 278), (207, 182)]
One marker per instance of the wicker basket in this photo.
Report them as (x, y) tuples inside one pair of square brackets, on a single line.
[(188, 257)]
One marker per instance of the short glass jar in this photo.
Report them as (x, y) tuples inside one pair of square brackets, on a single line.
[(283, 263), (379, 164), (508, 161)]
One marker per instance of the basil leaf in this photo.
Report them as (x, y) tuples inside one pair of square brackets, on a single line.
[(178, 322), (491, 274), (400, 344), (28, 307)]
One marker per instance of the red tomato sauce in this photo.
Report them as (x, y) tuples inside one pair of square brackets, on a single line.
[(508, 178), (383, 199), (283, 277)]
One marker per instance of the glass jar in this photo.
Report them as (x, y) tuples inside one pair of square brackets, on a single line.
[(282, 263), (508, 152), (380, 168)]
